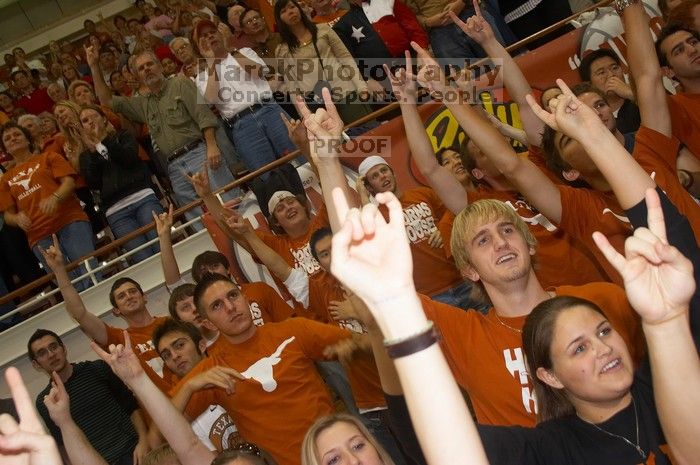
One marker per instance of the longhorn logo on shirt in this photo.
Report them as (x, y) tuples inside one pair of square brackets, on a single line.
[(261, 371), (515, 364), (23, 178)]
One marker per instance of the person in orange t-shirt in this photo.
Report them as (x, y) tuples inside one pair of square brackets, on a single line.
[(433, 273), (36, 195), (279, 393)]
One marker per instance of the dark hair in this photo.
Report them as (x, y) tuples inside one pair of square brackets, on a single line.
[(179, 294), (38, 334), (584, 69), (17, 72), (118, 17), (683, 14), (274, 224), (317, 235), (585, 88), (245, 12), (286, 34), (207, 281), (171, 325), (455, 147), (12, 125), (552, 156), (247, 451), (118, 283), (207, 258), (538, 334), (668, 30)]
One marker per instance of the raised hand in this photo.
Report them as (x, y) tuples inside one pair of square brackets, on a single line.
[(238, 224), (658, 279), (200, 182), (569, 115), (370, 256), (617, 86), (164, 221), (218, 376), (25, 443), (92, 56), (476, 27), (403, 82), (430, 74), (53, 256), (57, 402), (325, 123), (462, 78), (122, 360), (296, 130)]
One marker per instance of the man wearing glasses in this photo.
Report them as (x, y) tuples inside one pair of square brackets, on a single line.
[(101, 405)]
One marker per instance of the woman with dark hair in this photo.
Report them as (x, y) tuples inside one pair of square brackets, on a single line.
[(36, 194), (329, 63), (110, 164)]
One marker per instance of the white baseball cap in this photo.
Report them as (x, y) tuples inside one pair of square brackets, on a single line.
[(369, 163), (276, 198)]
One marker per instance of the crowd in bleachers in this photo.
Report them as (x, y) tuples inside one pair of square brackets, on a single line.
[(537, 308)]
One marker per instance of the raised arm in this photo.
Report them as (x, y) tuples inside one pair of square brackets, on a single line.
[(78, 448), (525, 175), (89, 323), (373, 259), (514, 80), (102, 90), (405, 88), (645, 69), (174, 427), (164, 224), (659, 282), (628, 180)]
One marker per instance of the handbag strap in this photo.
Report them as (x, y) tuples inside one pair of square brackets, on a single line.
[(318, 54)]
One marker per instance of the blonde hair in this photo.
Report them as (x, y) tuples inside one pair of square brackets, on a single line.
[(309, 449), (72, 139), (474, 216), (160, 455)]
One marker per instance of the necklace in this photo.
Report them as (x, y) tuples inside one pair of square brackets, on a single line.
[(640, 451), (507, 326)]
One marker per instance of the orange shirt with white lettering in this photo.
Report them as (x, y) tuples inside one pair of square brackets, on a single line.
[(143, 348), (580, 267), (266, 305), (296, 252), (433, 272), (685, 119), (486, 356), (283, 394), (26, 184)]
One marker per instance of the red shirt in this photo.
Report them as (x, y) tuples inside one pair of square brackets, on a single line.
[(36, 102)]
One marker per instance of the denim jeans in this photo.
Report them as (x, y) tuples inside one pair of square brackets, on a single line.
[(193, 162), (336, 378), (451, 42), (131, 218), (76, 240), (460, 296), (261, 137), (377, 422)]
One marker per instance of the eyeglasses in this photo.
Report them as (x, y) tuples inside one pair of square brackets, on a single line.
[(252, 20), (51, 348)]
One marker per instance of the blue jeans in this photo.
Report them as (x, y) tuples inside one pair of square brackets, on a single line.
[(261, 137), (190, 163), (377, 422), (335, 376), (131, 218), (451, 42), (460, 296), (76, 240)]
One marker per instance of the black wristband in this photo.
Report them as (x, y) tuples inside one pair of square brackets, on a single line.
[(412, 344)]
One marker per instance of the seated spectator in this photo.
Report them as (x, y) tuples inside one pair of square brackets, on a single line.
[(603, 69), (71, 74), (170, 66), (32, 123), (158, 25), (262, 41), (109, 62), (21, 62), (7, 105), (49, 124), (56, 92), (238, 38), (320, 47), (37, 195), (186, 54), (33, 99), (110, 164), (101, 405)]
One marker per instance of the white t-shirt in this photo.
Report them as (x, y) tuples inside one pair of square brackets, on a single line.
[(237, 90)]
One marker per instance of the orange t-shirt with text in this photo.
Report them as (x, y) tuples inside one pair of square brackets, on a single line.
[(486, 356), (433, 272), (266, 305), (296, 252), (685, 119), (283, 394), (26, 184), (553, 244), (143, 348)]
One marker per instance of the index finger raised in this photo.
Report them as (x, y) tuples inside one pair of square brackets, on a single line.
[(301, 107)]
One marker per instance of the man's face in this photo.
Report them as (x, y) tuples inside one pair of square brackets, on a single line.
[(289, 212), (498, 253), (187, 312), (49, 354), (21, 81), (601, 107), (252, 23), (183, 51), (323, 251), (129, 299), (108, 61), (603, 69), (573, 153), (149, 70), (682, 51), (381, 179), (227, 308), (179, 352), (19, 53), (210, 39)]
